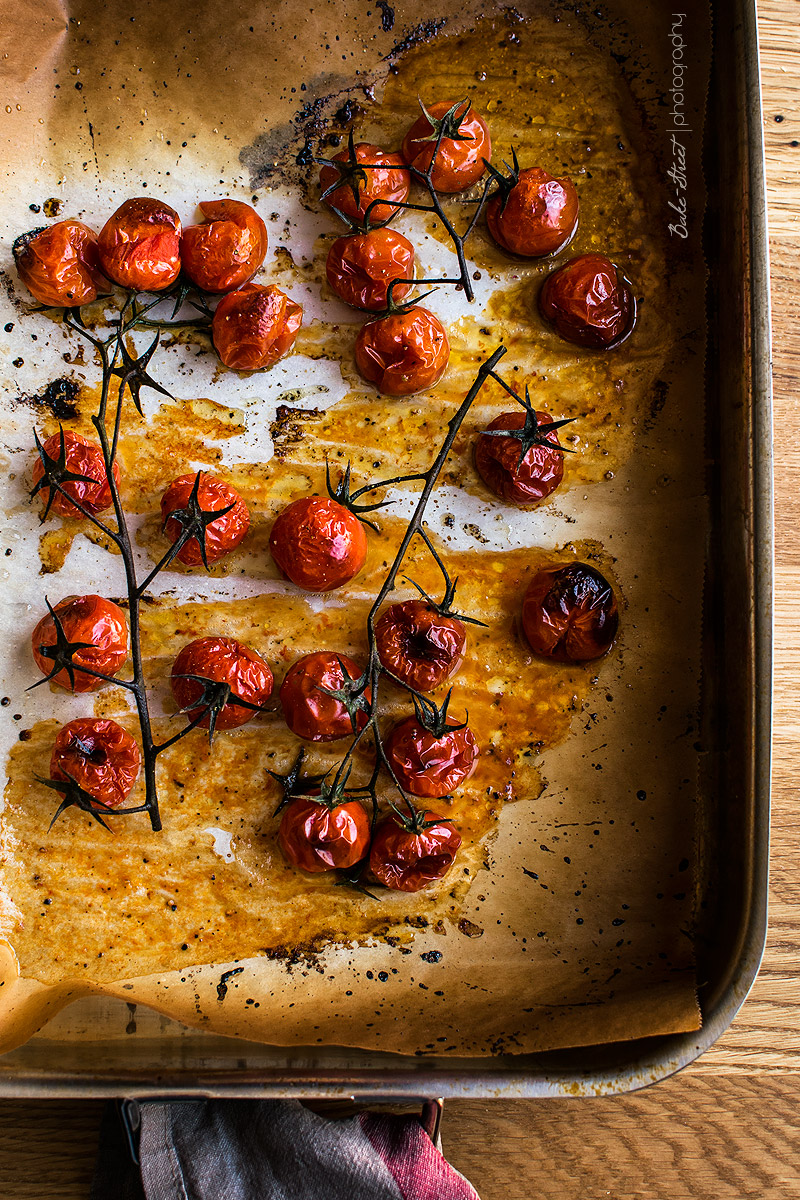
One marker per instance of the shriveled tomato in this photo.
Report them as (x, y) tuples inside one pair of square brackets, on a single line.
[(100, 756), (79, 467), (537, 215), (589, 302), (465, 144), (309, 709), (516, 474), (93, 634), (403, 353), (407, 854), (226, 661), (360, 267), (419, 645), (227, 249), (429, 761), (186, 496), (139, 247), (569, 613), (351, 188), (59, 264), (318, 543), (255, 326), (323, 835)]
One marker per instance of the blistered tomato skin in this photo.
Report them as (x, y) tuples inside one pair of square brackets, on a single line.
[(388, 180), (459, 163), (224, 660), (418, 645), (318, 544), (223, 534), (498, 464), (589, 302), (403, 353), (539, 216), (59, 264), (427, 765), (82, 457), (100, 756), (317, 838), (227, 249), (407, 861), (360, 268), (569, 613), (89, 619), (139, 247), (255, 326), (312, 714)]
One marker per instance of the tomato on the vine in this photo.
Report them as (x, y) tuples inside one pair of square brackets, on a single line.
[(387, 179), (465, 144), (96, 628), (589, 302), (519, 480), (139, 246), (431, 762), (323, 835), (309, 709), (407, 854), (100, 756), (223, 534), (538, 215), (404, 352), (569, 613), (318, 544), (59, 265), (225, 250), (80, 457), (419, 645), (227, 661), (255, 326), (361, 266)]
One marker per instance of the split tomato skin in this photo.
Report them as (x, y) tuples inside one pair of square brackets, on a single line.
[(361, 266), (312, 714), (225, 250), (255, 326), (569, 613), (589, 302), (539, 216), (317, 838), (406, 860), (139, 246), (458, 164), (318, 544), (403, 353), (387, 180), (100, 756), (59, 264), (223, 534), (427, 765), (91, 619), (520, 483), (224, 660), (418, 645), (82, 457)]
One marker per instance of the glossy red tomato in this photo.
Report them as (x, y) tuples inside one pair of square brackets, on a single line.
[(387, 180), (100, 624), (139, 247), (360, 267), (227, 249), (59, 264), (318, 836), (569, 613), (539, 215), (224, 660), (427, 764), (589, 302), (418, 645), (318, 544), (403, 353), (254, 327), (407, 860), (100, 756), (222, 534), (498, 463), (310, 712), (459, 161), (81, 457)]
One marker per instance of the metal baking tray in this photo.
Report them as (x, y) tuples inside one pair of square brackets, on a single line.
[(734, 741)]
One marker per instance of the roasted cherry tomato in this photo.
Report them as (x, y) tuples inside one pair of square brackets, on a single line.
[(254, 327), (408, 859), (318, 543), (227, 250), (100, 756), (431, 762), (387, 180), (403, 353), (222, 534), (81, 457), (497, 460), (418, 645), (360, 267), (459, 162), (139, 247), (317, 835), (589, 302), (538, 215), (315, 715), (59, 266), (570, 613), (223, 660), (97, 628)]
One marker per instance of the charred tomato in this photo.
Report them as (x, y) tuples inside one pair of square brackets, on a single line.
[(589, 302), (361, 266), (419, 645), (318, 544), (407, 854), (225, 250), (431, 759), (309, 708), (59, 264), (84, 631), (318, 834), (210, 494), (465, 144), (226, 661), (569, 613), (536, 215), (139, 246), (404, 352), (100, 756), (351, 187), (518, 475), (78, 465), (255, 326)]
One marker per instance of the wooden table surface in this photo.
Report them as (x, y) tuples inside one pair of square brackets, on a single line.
[(729, 1125)]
